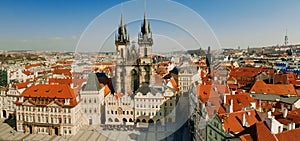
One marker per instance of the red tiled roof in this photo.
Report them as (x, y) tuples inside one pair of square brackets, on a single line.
[(60, 81), (246, 137), (290, 135), (203, 91), (284, 121), (161, 71), (32, 65), (49, 91), (258, 132), (58, 93), (280, 89), (233, 121), (206, 91), (245, 71), (294, 115), (26, 72), (66, 72), (239, 101), (106, 90), (174, 84), (21, 85)]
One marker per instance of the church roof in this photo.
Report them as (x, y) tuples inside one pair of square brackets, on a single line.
[(92, 83)]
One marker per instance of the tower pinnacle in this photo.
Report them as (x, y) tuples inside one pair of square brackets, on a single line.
[(122, 36), (145, 29)]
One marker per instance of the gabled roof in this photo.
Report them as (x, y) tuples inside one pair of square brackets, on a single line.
[(257, 132), (260, 87), (294, 115), (290, 135), (207, 91), (240, 100), (233, 122), (92, 83)]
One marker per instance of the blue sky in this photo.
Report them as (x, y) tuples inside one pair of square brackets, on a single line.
[(58, 24)]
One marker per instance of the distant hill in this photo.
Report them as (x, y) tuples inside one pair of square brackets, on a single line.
[(198, 52)]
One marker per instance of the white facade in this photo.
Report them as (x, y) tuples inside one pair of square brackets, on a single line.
[(119, 110), (92, 101)]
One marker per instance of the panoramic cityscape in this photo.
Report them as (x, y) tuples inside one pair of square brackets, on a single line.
[(149, 70)]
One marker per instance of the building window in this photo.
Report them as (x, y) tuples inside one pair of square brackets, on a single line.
[(95, 101), (131, 112), (216, 136)]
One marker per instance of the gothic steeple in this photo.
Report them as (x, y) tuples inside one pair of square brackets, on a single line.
[(145, 40), (145, 29), (122, 37)]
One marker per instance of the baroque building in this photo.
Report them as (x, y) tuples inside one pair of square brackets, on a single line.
[(49, 109)]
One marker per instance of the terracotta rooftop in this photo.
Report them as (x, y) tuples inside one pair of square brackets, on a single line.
[(32, 65), (257, 132), (260, 87), (42, 93), (239, 101), (21, 85), (233, 122), (290, 135), (49, 91)]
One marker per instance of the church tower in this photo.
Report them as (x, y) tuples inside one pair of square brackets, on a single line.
[(122, 43), (145, 42)]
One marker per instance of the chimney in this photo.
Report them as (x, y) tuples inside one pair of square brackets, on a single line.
[(285, 111), (224, 98), (231, 106), (269, 114), (290, 126), (293, 125), (244, 119)]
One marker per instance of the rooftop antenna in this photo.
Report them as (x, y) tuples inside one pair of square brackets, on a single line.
[(285, 38)]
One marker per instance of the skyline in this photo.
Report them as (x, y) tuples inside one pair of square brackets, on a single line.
[(57, 25)]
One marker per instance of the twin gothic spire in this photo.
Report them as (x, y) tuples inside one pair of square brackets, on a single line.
[(122, 37)]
